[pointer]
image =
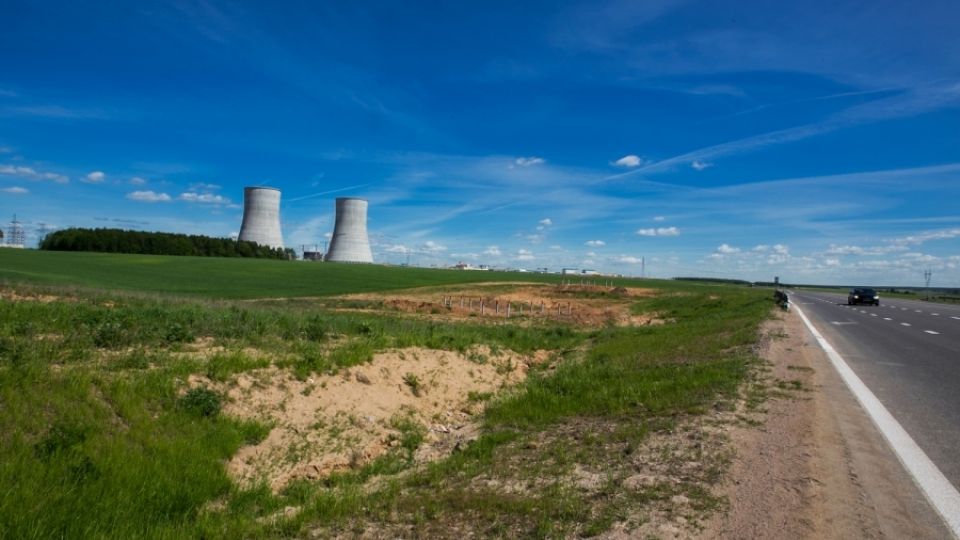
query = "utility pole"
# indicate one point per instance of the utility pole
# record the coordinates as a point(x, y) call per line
point(643, 266)
point(927, 274)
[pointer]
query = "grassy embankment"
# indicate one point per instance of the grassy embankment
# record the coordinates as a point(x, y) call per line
point(98, 438)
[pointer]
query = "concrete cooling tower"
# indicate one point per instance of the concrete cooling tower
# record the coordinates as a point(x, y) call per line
point(261, 216)
point(350, 242)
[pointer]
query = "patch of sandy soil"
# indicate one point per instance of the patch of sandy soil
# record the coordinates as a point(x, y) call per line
point(816, 467)
point(14, 296)
point(332, 423)
point(519, 302)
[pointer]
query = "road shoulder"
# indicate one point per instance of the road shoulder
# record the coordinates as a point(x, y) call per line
point(815, 467)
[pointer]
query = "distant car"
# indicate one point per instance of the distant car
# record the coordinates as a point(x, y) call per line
point(863, 296)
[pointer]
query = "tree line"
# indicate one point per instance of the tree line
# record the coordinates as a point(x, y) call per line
point(156, 243)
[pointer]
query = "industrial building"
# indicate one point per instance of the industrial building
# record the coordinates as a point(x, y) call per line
point(261, 217)
point(349, 242)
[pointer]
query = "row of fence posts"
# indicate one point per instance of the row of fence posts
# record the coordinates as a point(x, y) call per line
point(508, 307)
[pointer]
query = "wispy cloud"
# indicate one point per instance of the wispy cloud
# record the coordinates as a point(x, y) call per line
point(329, 192)
point(700, 165)
point(203, 198)
point(32, 174)
point(524, 255)
point(595, 243)
point(529, 161)
point(16, 190)
point(54, 112)
point(627, 259)
point(916, 101)
point(201, 186)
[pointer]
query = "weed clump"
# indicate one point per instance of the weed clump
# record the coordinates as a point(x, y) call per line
point(201, 401)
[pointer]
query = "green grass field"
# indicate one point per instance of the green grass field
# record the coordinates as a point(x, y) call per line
point(213, 277)
point(99, 440)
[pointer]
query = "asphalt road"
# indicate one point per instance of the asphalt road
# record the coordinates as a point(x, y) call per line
point(908, 353)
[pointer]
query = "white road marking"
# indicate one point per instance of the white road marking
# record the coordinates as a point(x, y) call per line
point(841, 323)
point(938, 490)
point(957, 318)
point(935, 314)
point(917, 311)
point(887, 319)
point(906, 324)
point(932, 332)
point(873, 314)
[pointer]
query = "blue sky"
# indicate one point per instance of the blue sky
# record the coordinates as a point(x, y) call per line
point(815, 141)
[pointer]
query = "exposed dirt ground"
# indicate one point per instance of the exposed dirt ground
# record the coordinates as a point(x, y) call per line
point(335, 422)
point(591, 305)
point(816, 467)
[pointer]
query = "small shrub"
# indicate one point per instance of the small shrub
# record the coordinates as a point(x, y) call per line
point(178, 333)
point(201, 401)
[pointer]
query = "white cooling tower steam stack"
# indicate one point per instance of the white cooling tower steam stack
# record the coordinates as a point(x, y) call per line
point(350, 242)
point(261, 216)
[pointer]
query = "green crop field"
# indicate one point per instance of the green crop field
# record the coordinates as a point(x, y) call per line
point(214, 277)
point(102, 437)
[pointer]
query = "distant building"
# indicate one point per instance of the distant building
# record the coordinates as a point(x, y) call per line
point(467, 266)
point(568, 271)
point(587, 272)
point(313, 255)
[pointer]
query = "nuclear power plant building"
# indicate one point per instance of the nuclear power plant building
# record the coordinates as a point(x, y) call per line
point(261, 216)
point(349, 242)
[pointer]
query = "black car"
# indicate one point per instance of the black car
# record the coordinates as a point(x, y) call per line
point(863, 296)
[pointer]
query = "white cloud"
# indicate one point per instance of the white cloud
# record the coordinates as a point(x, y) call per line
point(761, 248)
point(591, 254)
point(700, 165)
point(659, 218)
point(432, 247)
point(628, 259)
point(398, 248)
point(534, 238)
point(148, 196)
point(492, 251)
point(629, 161)
point(659, 231)
point(137, 181)
point(529, 161)
point(920, 238)
point(16, 190)
point(203, 198)
point(545, 222)
point(595, 243)
point(525, 255)
point(32, 174)
point(726, 249)
point(96, 177)
point(781, 249)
